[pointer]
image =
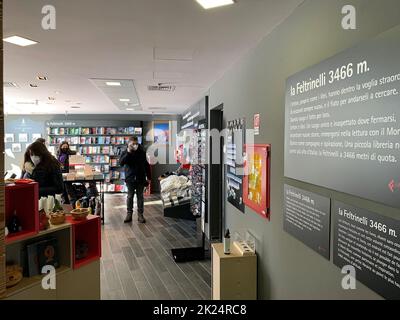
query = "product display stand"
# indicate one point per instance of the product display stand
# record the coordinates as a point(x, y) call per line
point(198, 196)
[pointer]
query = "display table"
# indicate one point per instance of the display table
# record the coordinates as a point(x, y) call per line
point(99, 180)
point(234, 276)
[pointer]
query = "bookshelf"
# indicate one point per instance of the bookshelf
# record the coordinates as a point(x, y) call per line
point(101, 146)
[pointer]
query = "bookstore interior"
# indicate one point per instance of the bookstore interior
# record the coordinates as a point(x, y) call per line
point(207, 150)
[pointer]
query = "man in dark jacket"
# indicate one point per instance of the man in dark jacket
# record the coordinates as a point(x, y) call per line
point(137, 176)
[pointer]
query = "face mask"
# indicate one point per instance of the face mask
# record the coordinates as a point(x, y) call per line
point(35, 160)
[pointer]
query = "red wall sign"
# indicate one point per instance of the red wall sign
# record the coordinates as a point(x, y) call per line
point(256, 180)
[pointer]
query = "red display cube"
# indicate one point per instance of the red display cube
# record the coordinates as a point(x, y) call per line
point(24, 200)
point(86, 231)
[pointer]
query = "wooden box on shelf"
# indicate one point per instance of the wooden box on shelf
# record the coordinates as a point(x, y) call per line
point(22, 199)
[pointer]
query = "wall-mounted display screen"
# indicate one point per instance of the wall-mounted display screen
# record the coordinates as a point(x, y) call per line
point(342, 123)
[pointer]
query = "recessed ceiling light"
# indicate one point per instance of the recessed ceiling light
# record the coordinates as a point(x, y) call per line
point(57, 92)
point(10, 85)
point(113, 83)
point(19, 41)
point(209, 4)
point(129, 109)
point(124, 100)
point(52, 98)
point(40, 77)
point(33, 85)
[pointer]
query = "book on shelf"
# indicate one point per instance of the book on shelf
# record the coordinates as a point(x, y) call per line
point(107, 178)
point(114, 162)
point(119, 188)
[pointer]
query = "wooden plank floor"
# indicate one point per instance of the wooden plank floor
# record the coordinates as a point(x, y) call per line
point(136, 259)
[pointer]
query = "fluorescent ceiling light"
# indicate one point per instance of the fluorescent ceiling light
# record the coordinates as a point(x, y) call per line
point(19, 41)
point(209, 4)
point(113, 83)
point(124, 100)
point(129, 109)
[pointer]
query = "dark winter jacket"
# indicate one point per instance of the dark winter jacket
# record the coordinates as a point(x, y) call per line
point(50, 181)
point(137, 168)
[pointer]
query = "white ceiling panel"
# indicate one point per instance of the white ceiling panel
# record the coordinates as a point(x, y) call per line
point(145, 41)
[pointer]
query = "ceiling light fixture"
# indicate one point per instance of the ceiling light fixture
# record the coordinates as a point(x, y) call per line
point(40, 77)
point(75, 107)
point(209, 4)
point(33, 85)
point(124, 100)
point(19, 41)
point(129, 109)
point(113, 83)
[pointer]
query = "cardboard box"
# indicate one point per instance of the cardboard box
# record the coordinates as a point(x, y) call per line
point(70, 176)
point(76, 160)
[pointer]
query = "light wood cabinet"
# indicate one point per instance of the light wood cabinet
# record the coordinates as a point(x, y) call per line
point(69, 284)
point(234, 277)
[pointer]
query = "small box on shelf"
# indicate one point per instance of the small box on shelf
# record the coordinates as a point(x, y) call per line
point(22, 206)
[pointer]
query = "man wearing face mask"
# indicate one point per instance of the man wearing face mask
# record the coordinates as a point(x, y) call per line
point(46, 172)
point(137, 176)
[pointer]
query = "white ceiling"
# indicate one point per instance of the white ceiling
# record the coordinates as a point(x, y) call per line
point(148, 41)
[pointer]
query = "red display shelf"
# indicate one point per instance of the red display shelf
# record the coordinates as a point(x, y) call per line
point(89, 231)
point(24, 200)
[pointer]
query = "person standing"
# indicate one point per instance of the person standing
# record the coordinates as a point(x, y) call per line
point(137, 176)
point(63, 153)
point(46, 170)
point(27, 166)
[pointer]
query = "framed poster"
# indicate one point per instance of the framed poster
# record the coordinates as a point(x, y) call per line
point(9, 137)
point(23, 137)
point(161, 132)
point(256, 181)
point(234, 163)
point(16, 147)
point(36, 136)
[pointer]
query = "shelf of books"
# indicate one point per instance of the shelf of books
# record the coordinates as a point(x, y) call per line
point(101, 146)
